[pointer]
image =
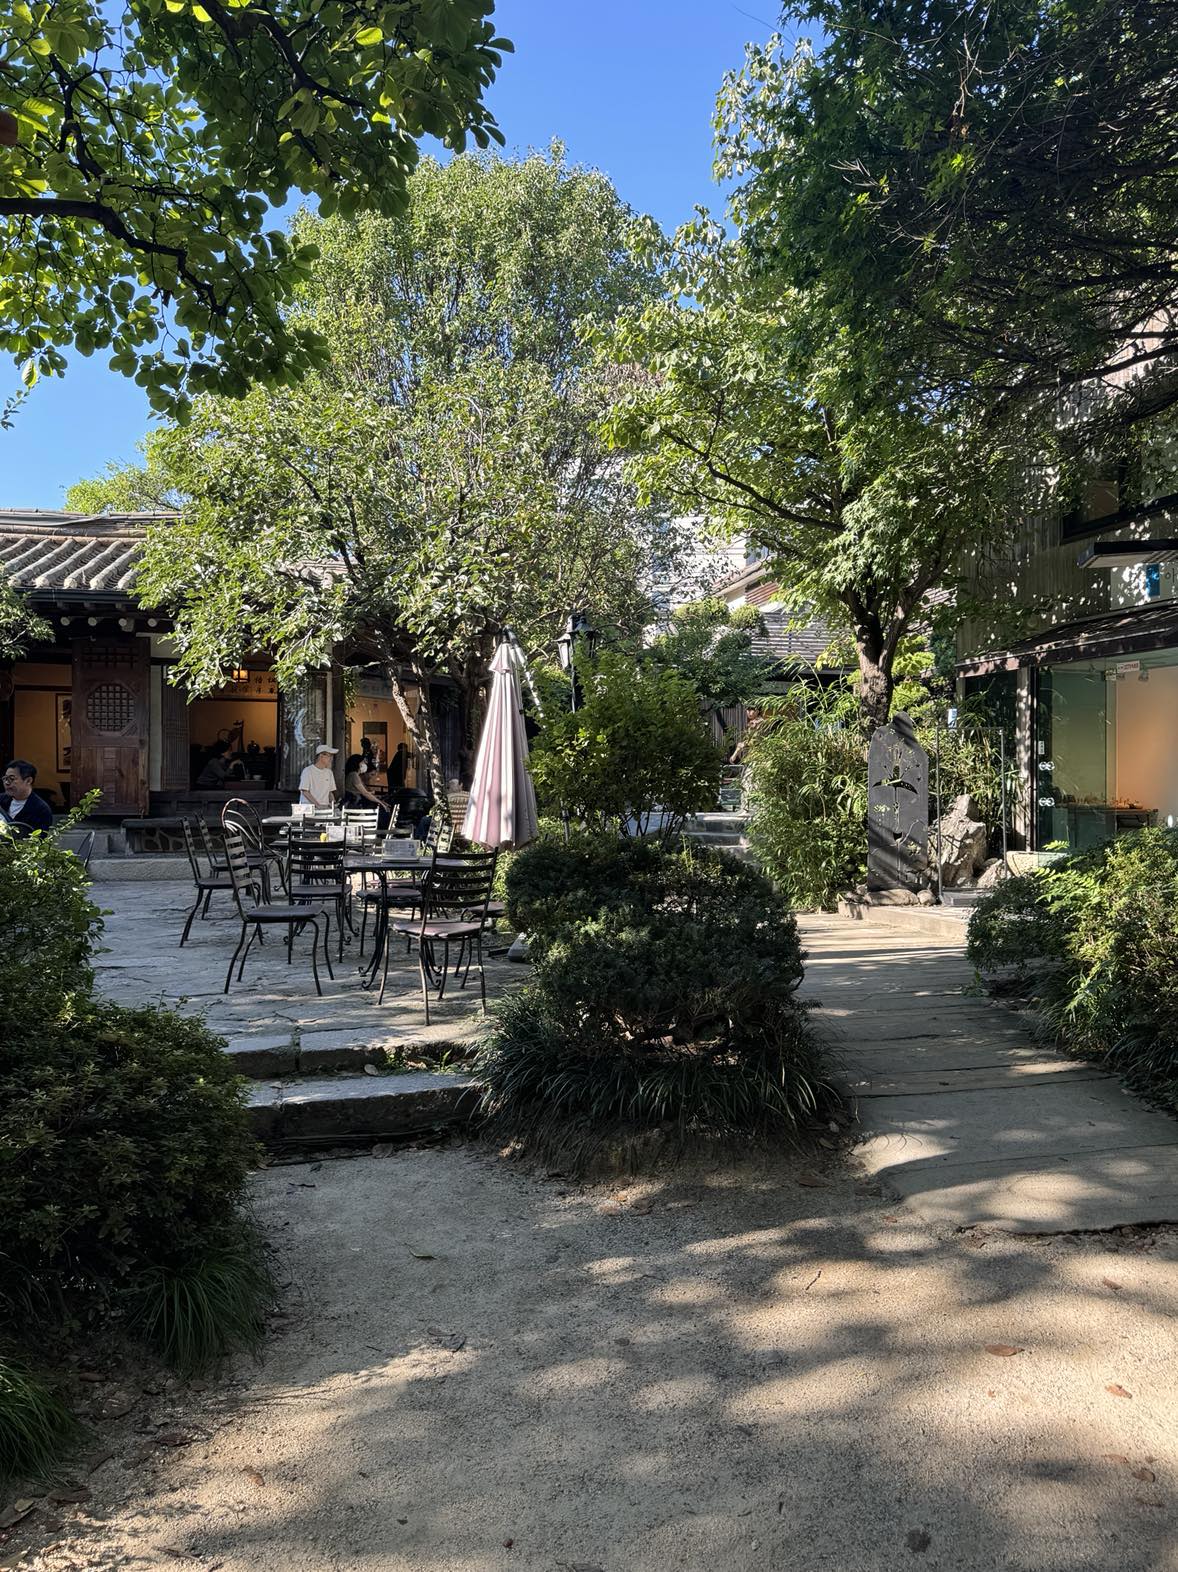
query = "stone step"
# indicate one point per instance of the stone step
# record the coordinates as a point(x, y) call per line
point(263, 1057)
point(346, 1107)
point(153, 868)
point(725, 838)
point(718, 820)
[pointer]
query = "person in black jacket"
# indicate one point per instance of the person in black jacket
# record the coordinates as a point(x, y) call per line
point(20, 806)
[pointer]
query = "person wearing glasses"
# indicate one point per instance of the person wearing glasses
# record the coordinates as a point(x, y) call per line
point(22, 810)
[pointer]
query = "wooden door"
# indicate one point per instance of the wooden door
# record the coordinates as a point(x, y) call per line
point(110, 715)
point(175, 758)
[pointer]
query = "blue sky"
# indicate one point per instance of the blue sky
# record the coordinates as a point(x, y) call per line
point(628, 85)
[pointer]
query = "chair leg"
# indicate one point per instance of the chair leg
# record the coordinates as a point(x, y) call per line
point(384, 975)
point(482, 974)
point(200, 895)
point(424, 980)
point(208, 903)
point(327, 944)
point(233, 959)
point(241, 969)
point(315, 957)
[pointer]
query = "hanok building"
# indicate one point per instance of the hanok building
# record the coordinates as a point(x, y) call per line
point(94, 707)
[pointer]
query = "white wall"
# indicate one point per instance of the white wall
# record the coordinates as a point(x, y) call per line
point(1147, 741)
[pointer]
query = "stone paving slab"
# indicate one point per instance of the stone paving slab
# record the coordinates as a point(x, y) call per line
point(1120, 1187)
point(963, 1114)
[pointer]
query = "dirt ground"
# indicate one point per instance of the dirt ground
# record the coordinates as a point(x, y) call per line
point(476, 1369)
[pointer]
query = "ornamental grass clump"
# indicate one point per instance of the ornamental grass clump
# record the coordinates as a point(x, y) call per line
point(125, 1147)
point(663, 999)
point(1091, 940)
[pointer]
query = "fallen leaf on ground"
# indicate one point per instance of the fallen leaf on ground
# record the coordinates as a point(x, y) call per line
point(383, 1149)
point(173, 1438)
point(1146, 1475)
point(255, 1476)
point(97, 1462)
point(370, 1069)
point(78, 1493)
point(15, 1512)
point(1115, 1457)
point(422, 1255)
point(1116, 1390)
point(1111, 1283)
point(1148, 1501)
point(918, 1540)
point(90, 1375)
point(643, 1208)
point(1005, 1350)
point(810, 1181)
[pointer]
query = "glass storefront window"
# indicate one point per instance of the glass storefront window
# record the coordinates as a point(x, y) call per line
point(1106, 749)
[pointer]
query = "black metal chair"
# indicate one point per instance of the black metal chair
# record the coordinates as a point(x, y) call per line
point(207, 884)
point(81, 843)
point(242, 816)
point(257, 914)
point(454, 902)
point(315, 873)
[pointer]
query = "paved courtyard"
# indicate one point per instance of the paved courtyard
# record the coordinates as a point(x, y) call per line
point(274, 1003)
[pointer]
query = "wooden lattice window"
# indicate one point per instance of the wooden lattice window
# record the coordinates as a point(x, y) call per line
point(110, 708)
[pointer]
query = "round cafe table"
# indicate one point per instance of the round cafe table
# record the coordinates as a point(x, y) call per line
point(402, 857)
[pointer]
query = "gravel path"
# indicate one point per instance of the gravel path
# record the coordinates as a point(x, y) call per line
point(764, 1368)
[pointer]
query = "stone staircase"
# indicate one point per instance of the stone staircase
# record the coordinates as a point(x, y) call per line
point(724, 831)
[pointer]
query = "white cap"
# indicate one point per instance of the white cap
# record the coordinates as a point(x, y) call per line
point(321, 747)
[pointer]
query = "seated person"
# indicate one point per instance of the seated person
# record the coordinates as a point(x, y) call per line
point(216, 770)
point(317, 788)
point(21, 808)
point(357, 793)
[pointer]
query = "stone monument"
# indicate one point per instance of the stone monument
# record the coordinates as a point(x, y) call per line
point(897, 808)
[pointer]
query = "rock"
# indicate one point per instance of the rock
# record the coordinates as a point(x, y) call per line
point(993, 873)
point(519, 948)
point(926, 898)
point(849, 906)
point(892, 898)
point(963, 842)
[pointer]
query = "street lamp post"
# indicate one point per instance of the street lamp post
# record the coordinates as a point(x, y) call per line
point(576, 630)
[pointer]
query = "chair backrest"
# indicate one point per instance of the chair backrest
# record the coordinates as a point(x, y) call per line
point(81, 843)
point(361, 826)
point(245, 880)
point(242, 816)
point(441, 832)
point(215, 854)
point(193, 854)
point(459, 885)
point(316, 861)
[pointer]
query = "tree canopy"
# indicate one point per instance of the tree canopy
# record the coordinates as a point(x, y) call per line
point(1003, 174)
point(763, 411)
point(147, 142)
point(442, 476)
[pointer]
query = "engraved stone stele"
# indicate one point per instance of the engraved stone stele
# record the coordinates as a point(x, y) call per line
point(897, 808)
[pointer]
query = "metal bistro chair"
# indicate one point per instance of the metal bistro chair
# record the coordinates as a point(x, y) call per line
point(258, 915)
point(453, 911)
point(315, 873)
point(207, 884)
point(242, 816)
point(404, 892)
point(81, 843)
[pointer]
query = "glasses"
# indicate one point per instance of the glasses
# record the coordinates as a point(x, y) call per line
point(10, 780)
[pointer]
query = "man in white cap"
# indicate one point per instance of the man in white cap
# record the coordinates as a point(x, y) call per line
point(317, 782)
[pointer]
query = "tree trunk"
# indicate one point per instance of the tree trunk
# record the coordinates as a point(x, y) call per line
point(420, 726)
point(875, 682)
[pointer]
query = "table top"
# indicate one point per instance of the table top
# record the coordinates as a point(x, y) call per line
point(374, 862)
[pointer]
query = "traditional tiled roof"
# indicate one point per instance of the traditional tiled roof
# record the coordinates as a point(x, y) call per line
point(786, 641)
point(77, 553)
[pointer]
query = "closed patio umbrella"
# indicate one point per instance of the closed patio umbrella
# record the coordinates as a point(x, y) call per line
point(502, 807)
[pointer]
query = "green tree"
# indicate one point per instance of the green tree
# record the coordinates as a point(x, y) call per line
point(712, 646)
point(151, 139)
point(19, 627)
point(442, 476)
point(633, 757)
point(764, 412)
point(1000, 174)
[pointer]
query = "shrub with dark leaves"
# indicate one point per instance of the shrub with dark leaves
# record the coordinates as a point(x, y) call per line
point(1093, 940)
point(664, 993)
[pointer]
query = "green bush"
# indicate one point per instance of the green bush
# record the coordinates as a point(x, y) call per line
point(634, 750)
point(1093, 940)
point(664, 993)
point(808, 798)
point(124, 1149)
point(36, 1427)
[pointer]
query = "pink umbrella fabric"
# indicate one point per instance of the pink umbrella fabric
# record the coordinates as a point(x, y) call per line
point(502, 807)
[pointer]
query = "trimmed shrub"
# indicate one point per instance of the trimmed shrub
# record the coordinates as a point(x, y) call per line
point(1093, 940)
point(124, 1150)
point(633, 755)
point(663, 994)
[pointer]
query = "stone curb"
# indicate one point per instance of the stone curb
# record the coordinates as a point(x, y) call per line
point(350, 1106)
